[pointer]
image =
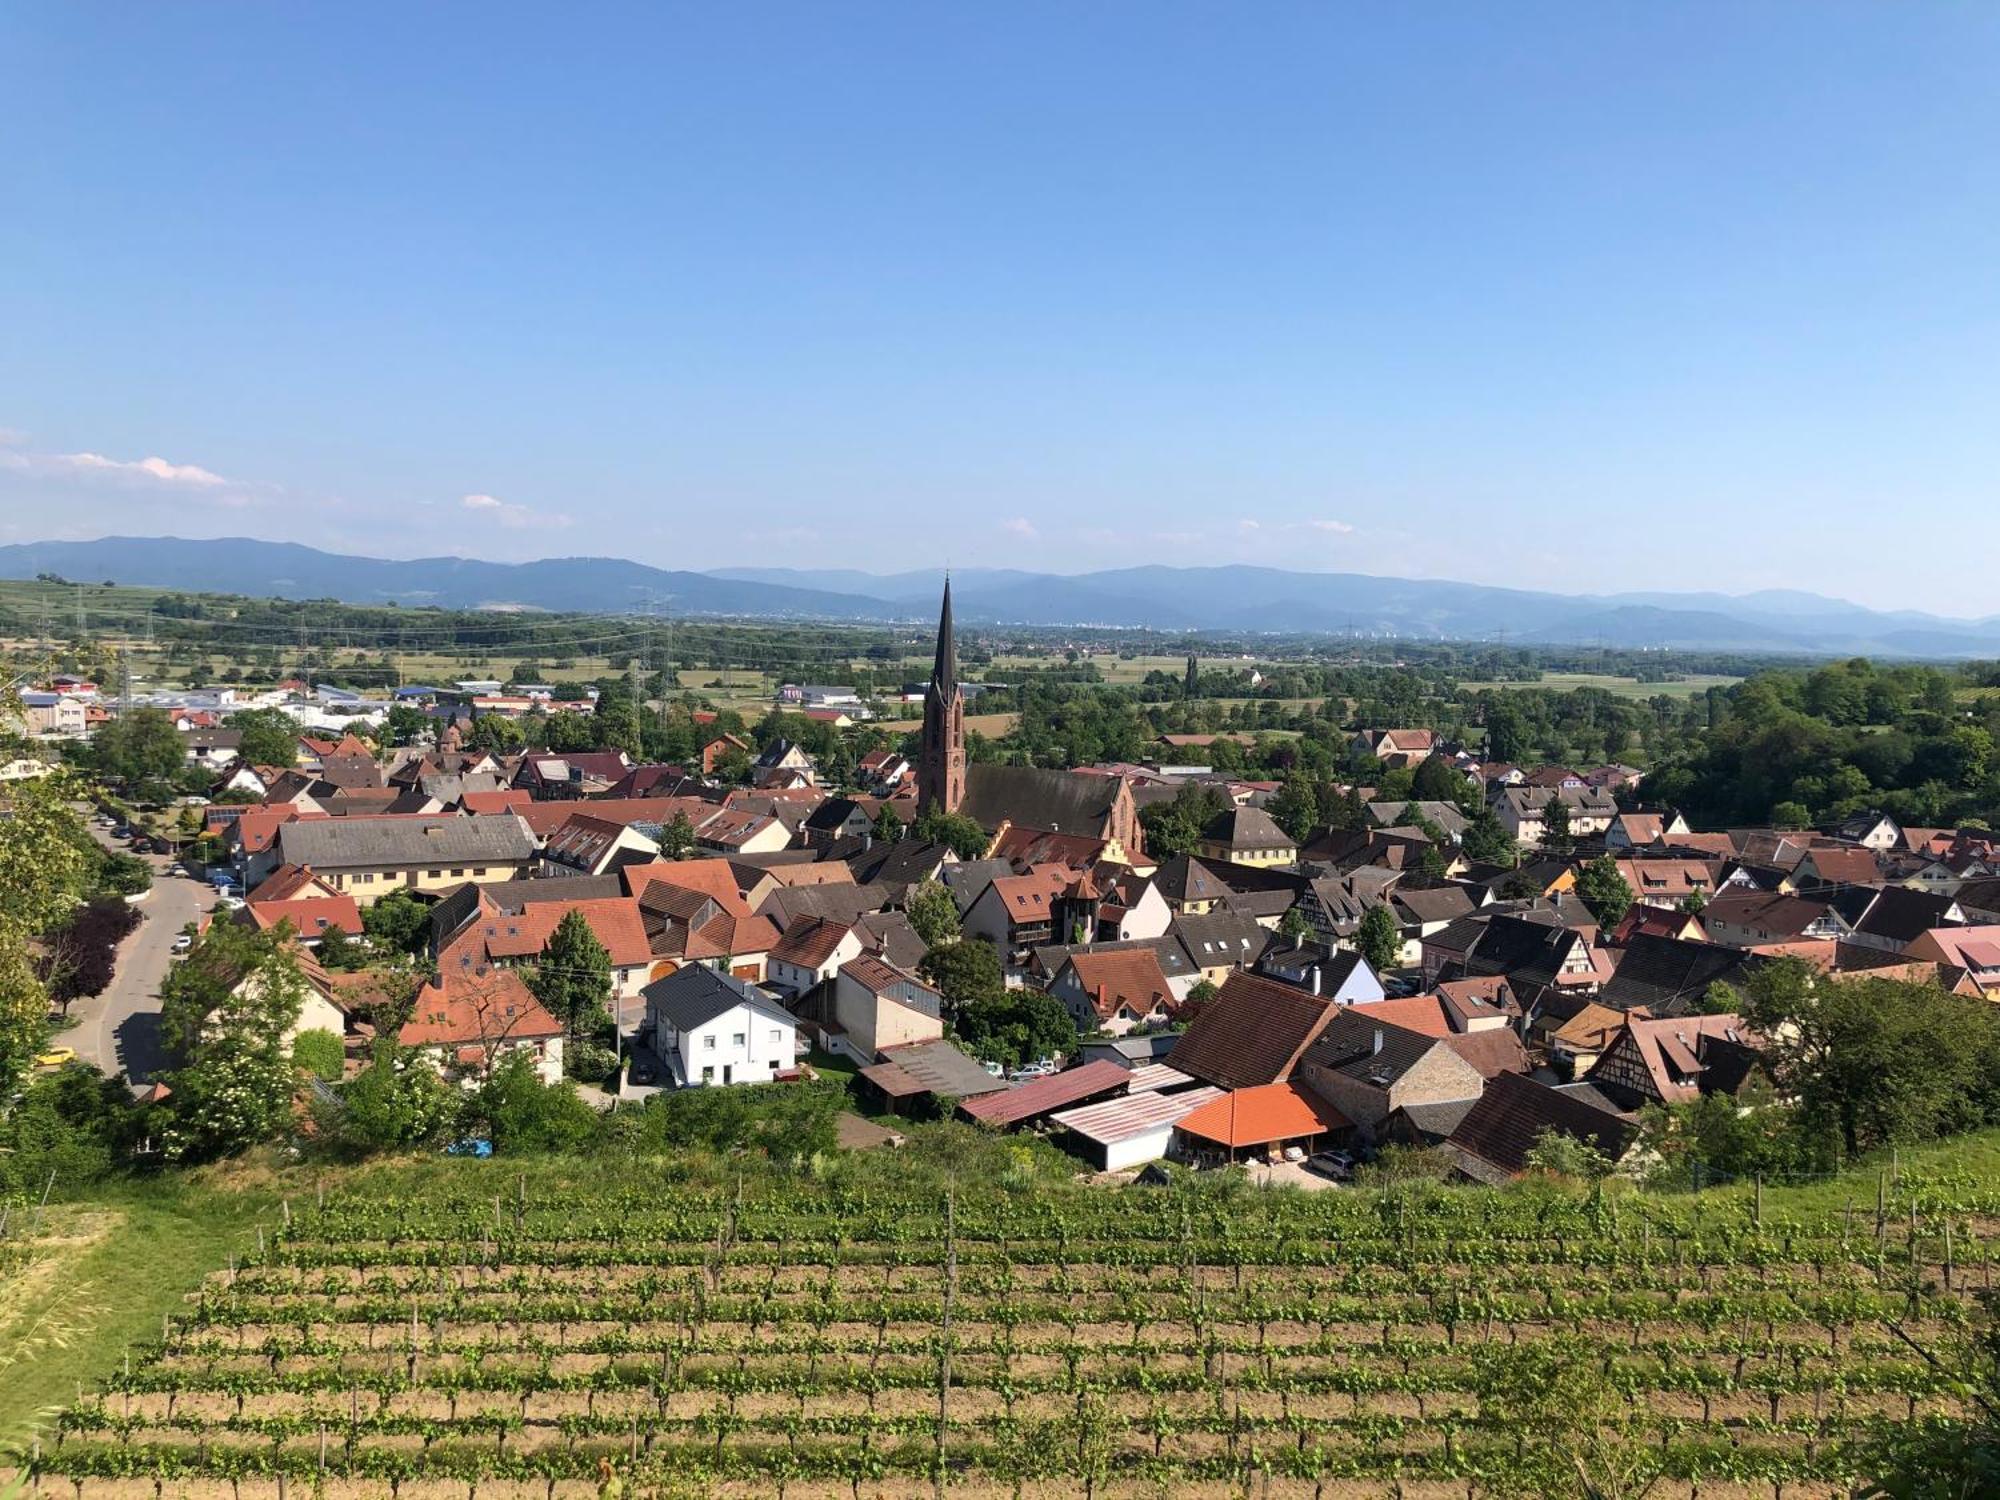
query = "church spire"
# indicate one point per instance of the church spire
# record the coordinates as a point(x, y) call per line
point(944, 670)
point(941, 755)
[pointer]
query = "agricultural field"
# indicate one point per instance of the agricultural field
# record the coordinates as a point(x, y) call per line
point(1690, 686)
point(479, 1337)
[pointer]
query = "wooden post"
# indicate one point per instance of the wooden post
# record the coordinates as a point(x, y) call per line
point(1760, 1199)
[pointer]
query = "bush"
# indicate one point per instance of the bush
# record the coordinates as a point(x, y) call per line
point(788, 1121)
point(124, 875)
point(588, 1062)
point(520, 1113)
point(80, 959)
point(319, 1053)
point(398, 1102)
point(76, 1123)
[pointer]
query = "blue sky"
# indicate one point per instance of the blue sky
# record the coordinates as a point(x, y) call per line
point(1587, 297)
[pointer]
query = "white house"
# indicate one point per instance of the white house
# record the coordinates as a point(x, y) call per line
point(877, 1006)
point(711, 1028)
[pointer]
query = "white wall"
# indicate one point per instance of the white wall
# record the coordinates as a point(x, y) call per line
point(768, 1048)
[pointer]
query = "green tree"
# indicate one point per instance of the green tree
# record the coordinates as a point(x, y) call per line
point(337, 951)
point(1016, 1026)
point(397, 1103)
point(270, 736)
point(888, 826)
point(1378, 939)
point(224, 1012)
point(521, 1114)
point(1437, 780)
point(1557, 837)
point(319, 1053)
point(677, 837)
point(1563, 1155)
point(572, 978)
point(141, 744)
point(1873, 1062)
point(1604, 891)
point(1295, 808)
point(964, 973)
point(1293, 924)
point(961, 834)
point(497, 733)
point(933, 912)
point(405, 725)
point(399, 922)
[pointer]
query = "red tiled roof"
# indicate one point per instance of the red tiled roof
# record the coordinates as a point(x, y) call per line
point(310, 916)
point(810, 941)
point(711, 877)
point(613, 919)
point(496, 1006)
point(1130, 978)
point(1259, 1116)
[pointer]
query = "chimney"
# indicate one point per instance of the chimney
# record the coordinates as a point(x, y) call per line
point(1315, 979)
point(1378, 1042)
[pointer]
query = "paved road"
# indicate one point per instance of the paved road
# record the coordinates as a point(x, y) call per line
point(119, 1030)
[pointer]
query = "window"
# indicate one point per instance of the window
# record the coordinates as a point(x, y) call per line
point(708, 1075)
point(478, 870)
point(435, 874)
point(777, 1035)
point(458, 871)
point(737, 1039)
point(708, 1042)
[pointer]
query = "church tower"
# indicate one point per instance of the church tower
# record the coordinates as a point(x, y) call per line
point(941, 759)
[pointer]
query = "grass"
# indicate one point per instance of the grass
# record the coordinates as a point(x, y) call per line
point(1619, 687)
point(103, 1273)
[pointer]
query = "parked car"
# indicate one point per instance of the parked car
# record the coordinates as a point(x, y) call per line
point(470, 1146)
point(182, 942)
point(1337, 1165)
point(230, 901)
point(55, 1057)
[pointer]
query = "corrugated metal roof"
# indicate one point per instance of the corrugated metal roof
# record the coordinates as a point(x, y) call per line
point(1039, 1096)
point(1151, 1078)
point(1117, 1120)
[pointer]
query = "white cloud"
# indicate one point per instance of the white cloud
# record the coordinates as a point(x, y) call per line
point(513, 517)
point(1331, 528)
point(1022, 527)
point(96, 466)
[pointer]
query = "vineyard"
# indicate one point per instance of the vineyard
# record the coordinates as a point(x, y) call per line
point(784, 1338)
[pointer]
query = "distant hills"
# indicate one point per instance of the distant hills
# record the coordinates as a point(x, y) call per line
point(1228, 598)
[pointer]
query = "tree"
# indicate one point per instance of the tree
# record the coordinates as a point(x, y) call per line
point(888, 826)
point(339, 952)
point(124, 875)
point(405, 724)
point(1378, 939)
point(1604, 891)
point(141, 744)
point(1014, 1027)
point(225, 1011)
point(572, 978)
point(495, 732)
point(1295, 809)
point(1563, 1155)
point(1874, 1062)
point(964, 973)
point(396, 1103)
point(270, 736)
point(79, 959)
point(1437, 780)
point(1343, 809)
point(1556, 835)
point(1199, 998)
point(677, 837)
point(960, 833)
point(1294, 925)
point(520, 1113)
point(319, 1053)
point(933, 912)
point(399, 921)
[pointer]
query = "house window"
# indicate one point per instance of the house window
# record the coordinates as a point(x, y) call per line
point(737, 1039)
point(478, 870)
point(708, 1075)
point(458, 872)
point(708, 1042)
point(777, 1035)
point(435, 874)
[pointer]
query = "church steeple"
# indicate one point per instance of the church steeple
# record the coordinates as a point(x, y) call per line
point(941, 759)
point(944, 670)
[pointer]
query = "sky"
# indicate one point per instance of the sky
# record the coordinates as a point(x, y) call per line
point(1586, 297)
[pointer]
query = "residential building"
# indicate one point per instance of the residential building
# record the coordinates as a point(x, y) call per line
point(367, 858)
point(714, 1029)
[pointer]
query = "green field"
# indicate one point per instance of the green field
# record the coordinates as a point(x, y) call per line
point(940, 1317)
point(1620, 687)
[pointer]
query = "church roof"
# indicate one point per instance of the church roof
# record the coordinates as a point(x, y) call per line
point(1056, 800)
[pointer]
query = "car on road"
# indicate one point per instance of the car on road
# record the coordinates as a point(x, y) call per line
point(56, 1057)
point(182, 942)
point(229, 901)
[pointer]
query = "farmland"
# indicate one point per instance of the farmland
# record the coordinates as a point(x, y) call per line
point(483, 1333)
point(1691, 685)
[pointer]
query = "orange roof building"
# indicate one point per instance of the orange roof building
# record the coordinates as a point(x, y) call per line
point(1267, 1115)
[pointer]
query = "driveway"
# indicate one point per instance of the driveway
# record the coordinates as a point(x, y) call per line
point(119, 1030)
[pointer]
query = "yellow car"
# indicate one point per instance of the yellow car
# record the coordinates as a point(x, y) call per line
point(56, 1057)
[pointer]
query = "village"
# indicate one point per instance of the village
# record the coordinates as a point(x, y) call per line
point(1521, 952)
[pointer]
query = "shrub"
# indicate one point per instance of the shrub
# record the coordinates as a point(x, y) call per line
point(319, 1053)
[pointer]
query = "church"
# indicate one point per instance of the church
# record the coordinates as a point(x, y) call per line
point(999, 797)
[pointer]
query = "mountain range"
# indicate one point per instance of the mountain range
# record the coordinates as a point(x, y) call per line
point(1235, 599)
